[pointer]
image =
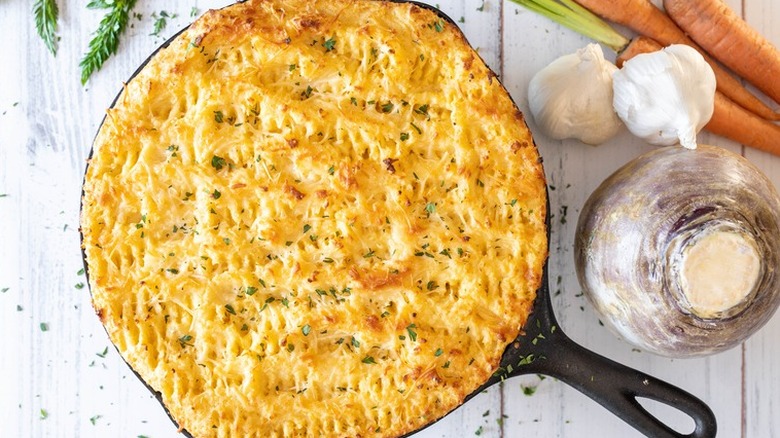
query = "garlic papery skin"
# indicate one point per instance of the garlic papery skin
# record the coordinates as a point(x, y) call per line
point(572, 97)
point(665, 97)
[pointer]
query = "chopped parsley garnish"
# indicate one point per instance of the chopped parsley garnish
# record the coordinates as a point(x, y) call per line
point(250, 290)
point(230, 309)
point(327, 260)
point(44, 327)
point(185, 341)
point(94, 419)
point(307, 92)
point(438, 352)
point(173, 270)
point(438, 25)
point(431, 285)
point(404, 136)
point(293, 67)
point(331, 170)
point(329, 44)
point(44, 414)
point(422, 109)
point(416, 128)
point(218, 162)
point(387, 107)
point(306, 330)
point(79, 285)
point(306, 228)
point(369, 360)
point(355, 342)
point(216, 194)
point(412, 334)
point(218, 116)
point(369, 254)
point(430, 208)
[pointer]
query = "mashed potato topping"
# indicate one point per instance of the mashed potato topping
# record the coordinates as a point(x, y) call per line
point(314, 218)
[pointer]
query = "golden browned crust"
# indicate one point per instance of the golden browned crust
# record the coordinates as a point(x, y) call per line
point(314, 218)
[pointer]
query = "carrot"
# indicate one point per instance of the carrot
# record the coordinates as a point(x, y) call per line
point(646, 19)
point(729, 39)
point(728, 119)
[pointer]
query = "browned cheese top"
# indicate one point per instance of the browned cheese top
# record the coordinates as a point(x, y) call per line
point(314, 218)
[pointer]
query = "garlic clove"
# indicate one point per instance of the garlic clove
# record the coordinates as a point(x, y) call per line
point(665, 97)
point(572, 97)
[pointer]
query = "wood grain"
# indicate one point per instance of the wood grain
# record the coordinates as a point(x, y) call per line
point(70, 374)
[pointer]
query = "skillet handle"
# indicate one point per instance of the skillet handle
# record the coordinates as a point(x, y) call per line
point(616, 387)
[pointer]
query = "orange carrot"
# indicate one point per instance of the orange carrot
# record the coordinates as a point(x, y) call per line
point(732, 121)
point(646, 19)
point(729, 39)
point(728, 119)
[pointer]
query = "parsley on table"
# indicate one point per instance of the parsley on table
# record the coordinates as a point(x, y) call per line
point(105, 40)
point(161, 21)
point(46, 13)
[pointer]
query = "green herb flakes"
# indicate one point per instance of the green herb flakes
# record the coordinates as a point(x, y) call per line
point(306, 330)
point(218, 162)
point(369, 360)
point(329, 44)
point(410, 330)
point(230, 309)
point(185, 341)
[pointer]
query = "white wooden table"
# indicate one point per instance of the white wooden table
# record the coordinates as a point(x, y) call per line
point(59, 377)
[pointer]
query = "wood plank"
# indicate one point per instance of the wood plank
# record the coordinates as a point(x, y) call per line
point(44, 142)
point(762, 355)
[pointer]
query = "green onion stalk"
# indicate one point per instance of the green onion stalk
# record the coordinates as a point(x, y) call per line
point(568, 13)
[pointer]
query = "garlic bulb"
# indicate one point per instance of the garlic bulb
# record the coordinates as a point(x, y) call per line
point(665, 97)
point(572, 97)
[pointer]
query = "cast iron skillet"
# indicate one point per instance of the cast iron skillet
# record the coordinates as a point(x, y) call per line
point(543, 348)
